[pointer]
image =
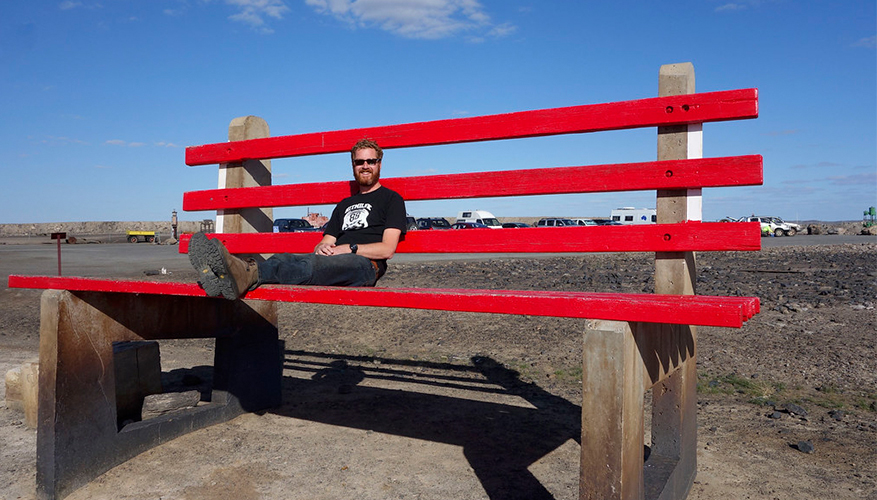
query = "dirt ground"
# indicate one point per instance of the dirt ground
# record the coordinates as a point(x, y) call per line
point(382, 404)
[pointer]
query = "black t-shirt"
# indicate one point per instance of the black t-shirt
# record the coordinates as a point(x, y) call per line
point(362, 218)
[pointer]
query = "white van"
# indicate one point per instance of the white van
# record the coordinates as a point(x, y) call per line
point(480, 216)
point(631, 215)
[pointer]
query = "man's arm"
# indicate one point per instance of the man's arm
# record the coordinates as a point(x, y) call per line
point(385, 249)
point(326, 246)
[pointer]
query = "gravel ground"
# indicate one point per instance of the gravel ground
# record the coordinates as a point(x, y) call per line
point(383, 403)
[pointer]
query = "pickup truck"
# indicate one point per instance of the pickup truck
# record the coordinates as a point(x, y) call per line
point(293, 226)
point(770, 225)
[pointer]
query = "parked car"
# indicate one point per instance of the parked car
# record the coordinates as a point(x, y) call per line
point(606, 222)
point(776, 225)
point(433, 223)
point(469, 225)
point(585, 222)
point(793, 228)
point(555, 222)
point(412, 224)
point(293, 226)
point(514, 224)
point(769, 225)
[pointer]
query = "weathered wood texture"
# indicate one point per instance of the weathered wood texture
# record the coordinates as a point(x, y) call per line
point(674, 401)
point(78, 433)
point(245, 174)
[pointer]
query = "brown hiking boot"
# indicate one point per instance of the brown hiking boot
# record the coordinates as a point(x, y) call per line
point(220, 272)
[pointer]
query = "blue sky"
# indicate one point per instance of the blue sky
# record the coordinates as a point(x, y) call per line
point(99, 98)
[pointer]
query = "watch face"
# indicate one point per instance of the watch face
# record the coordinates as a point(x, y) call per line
point(354, 247)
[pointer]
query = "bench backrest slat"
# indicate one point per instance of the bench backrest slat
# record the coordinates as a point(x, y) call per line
point(675, 174)
point(682, 237)
point(651, 112)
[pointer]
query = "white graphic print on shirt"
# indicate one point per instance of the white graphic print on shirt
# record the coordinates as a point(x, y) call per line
point(355, 216)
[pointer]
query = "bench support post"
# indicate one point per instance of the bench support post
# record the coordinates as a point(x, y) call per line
point(621, 361)
point(612, 413)
point(674, 400)
point(245, 174)
point(78, 432)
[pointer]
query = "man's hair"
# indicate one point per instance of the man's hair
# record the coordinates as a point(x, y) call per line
point(366, 144)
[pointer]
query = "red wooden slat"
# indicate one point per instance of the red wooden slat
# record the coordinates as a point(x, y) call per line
point(676, 309)
point(681, 237)
point(656, 111)
point(748, 306)
point(673, 174)
point(105, 285)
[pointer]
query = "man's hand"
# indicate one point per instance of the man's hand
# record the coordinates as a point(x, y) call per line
point(383, 249)
point(324, 249)
point(326, 246)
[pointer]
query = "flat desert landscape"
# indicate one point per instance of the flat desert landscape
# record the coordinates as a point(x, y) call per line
point(386, 403)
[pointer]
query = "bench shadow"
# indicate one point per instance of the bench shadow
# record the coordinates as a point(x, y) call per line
point(500, 440)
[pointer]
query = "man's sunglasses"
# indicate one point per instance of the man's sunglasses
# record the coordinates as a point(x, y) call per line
point(370, 161)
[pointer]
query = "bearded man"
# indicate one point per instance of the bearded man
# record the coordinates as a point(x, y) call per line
point(359, 238)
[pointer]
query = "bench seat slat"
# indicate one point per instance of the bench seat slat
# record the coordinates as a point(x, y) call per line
point(676, 309)
point(671, 174)
point(655, 111)
point(680, 237)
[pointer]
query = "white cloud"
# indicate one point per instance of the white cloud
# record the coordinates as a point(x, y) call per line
point(869, 42)
point(424, 19)
point(819, 164)
point(253, 12)
point(730, 7)
point(53, 140)
point(70, 4)
point(866, 179)
point(119, 142)
point(502, 30)
point(778, 133)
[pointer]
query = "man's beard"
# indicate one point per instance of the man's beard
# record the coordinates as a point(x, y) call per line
point(371, 181)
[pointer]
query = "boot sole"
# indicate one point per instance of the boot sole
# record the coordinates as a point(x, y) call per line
point(213, 276)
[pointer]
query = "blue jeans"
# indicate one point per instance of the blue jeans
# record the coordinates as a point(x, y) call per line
point(312, 269)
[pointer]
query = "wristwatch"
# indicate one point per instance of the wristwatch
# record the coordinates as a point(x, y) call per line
point(354, 247)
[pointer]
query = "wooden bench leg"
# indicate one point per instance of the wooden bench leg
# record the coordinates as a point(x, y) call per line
point(620, 362)
point(674, 426)
point(612, 413)
point(78, 437)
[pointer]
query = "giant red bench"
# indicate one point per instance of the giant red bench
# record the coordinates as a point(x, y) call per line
point(632, 342)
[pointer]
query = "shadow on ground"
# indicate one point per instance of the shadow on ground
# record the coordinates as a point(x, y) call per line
point(499, 439)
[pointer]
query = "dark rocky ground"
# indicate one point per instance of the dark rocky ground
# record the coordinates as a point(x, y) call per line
point(787, 405)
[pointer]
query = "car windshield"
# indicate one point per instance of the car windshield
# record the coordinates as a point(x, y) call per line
point(440, 223)
point(490, 222)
